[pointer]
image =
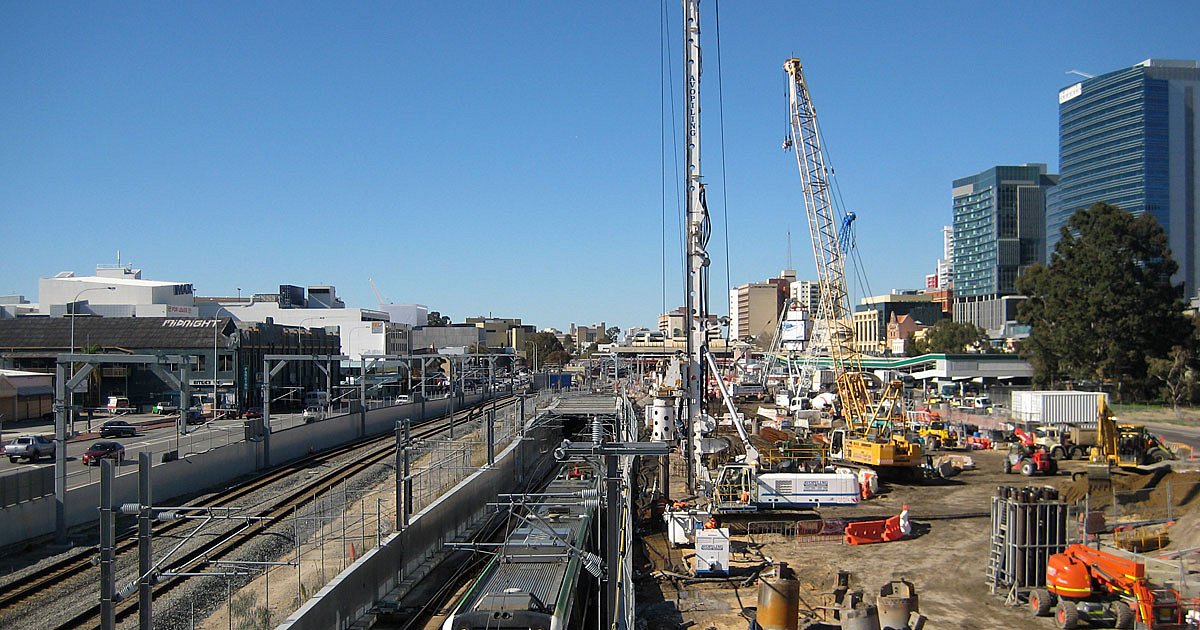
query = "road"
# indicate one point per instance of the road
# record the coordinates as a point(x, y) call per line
point(1177, 433)
point(156, 434)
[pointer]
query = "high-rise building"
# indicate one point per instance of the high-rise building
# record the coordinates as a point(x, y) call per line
point(807, 294)
point(999, 230)
point(1129, 138)
point(754, 308)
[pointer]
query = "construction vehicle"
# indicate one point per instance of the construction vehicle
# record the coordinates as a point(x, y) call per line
point(1054, 439)
point(1124, 444)
point(1103, 589)
point(1028, 457)
point(750, 484)
point(934, 433)
point(869, 439)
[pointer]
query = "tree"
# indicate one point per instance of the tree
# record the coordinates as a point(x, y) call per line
point(541, 345)
point(950, 337)
point(613, 333)
point(1105, 303)
point(1177, 373)
point(437, 320)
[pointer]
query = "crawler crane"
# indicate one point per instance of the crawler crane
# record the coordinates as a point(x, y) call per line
point(869, 438)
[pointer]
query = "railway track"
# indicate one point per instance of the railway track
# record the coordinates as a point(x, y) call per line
point(30, 587)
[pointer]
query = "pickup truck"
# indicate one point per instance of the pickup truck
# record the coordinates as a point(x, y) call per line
point(31, 447)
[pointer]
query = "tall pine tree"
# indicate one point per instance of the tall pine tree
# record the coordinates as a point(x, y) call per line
point(1104, 304)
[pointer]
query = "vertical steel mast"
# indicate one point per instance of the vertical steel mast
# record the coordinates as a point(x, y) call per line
point(697, 239)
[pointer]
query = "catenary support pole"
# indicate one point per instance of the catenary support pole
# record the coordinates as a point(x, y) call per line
point(145, 549)
point(60, 455)
point(108, 620)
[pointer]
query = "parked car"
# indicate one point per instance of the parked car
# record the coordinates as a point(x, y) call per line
point(117, 428)
point(103, 450)
point(252, 413)
point(314, 414)
point(403, 399)
point(31, 447)
point(165, 408)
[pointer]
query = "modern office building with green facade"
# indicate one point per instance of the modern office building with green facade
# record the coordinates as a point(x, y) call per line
point(1129, 138)
point(999, 229)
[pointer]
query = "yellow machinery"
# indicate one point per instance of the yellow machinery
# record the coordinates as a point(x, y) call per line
point(869, 438)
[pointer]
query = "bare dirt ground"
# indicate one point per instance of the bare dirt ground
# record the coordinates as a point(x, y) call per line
point(946, 561)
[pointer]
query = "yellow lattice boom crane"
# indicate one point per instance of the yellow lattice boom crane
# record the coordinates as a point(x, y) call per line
point(869, 438)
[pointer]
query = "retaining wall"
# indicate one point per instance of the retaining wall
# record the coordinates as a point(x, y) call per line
point(402, 556)
point(188, 475)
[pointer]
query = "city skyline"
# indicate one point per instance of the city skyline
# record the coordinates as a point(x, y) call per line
point(506, 159)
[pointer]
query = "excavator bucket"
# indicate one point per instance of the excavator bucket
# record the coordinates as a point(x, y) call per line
point(1099, 478)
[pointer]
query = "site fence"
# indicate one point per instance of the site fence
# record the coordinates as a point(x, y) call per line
point(26, 485)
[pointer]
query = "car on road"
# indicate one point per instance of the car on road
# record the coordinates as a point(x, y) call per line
point(31, 447)
point(314, 414)
point(196, 416)
point(117, 428)
point(103, 450)
point(403, 399)
point(252, 412)
point(165, 408)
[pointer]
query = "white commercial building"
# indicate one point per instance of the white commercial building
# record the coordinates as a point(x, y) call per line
point(115, 291)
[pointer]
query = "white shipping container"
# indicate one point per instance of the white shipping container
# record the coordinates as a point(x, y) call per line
point(1056, 407)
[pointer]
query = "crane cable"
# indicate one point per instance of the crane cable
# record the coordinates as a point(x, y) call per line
point(721, 119)
point(667, 94)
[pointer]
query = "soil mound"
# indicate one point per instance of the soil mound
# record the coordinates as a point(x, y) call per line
point(1148, 490)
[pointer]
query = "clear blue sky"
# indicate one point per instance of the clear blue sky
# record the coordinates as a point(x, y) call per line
point(504, 157)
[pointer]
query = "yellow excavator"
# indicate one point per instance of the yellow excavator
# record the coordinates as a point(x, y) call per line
point(1122, 445)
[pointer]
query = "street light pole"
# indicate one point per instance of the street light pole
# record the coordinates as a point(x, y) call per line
point(72, 309)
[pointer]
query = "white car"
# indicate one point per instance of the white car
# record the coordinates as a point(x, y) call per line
point(314, 414)
point(403, 399)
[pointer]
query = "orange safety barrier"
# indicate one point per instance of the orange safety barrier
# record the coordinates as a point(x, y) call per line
point(870, 532)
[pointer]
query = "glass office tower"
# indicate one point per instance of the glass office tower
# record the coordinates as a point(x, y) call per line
point(1129, 138)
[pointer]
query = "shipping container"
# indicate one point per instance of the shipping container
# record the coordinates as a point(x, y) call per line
point(1056, 407)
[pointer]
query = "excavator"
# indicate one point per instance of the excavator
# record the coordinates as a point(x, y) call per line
point(869, 438)
point(1124, 444)
point(1103, 589)
point(1121, 445)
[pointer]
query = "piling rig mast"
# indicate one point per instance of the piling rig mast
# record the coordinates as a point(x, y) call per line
point(698, 228)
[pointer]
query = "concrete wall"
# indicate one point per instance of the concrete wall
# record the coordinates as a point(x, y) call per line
point(399, 559)
point(32, 519)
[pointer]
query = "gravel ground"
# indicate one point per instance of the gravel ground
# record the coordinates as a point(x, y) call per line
point(945, 562)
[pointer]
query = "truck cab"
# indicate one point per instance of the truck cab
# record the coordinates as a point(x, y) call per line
point(1053, 439)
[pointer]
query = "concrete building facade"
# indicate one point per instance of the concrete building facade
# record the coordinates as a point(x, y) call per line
point(872, 314)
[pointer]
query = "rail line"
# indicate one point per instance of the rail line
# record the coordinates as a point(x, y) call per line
point(50, 576)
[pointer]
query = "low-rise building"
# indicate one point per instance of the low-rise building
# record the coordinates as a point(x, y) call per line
point(225, 357)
